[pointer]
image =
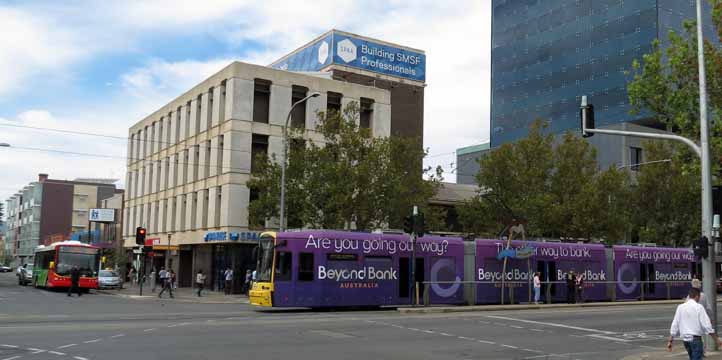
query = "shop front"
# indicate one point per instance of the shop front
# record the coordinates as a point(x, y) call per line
point(222, 250)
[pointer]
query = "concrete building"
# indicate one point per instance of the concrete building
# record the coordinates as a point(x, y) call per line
point(189, 162)
point(49, 210)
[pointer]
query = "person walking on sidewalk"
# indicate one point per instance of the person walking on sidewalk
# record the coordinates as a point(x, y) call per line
point(173, 283)
point(537, 287)
point(74, 281)
point(165, 280)
point(200, 281)
point(691, 323)
point(228, 276)
point(247, 286)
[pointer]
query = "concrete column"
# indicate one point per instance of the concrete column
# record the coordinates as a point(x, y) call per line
point(180, 213)
point(313, 106)
point(215, 152)
point(156, 176)
point(239, 99)
point(172, 168)
point(236, 152)
point(156, 137)
point(381, 120)
point(347, 100)
point(219, 104)
point(163, 176)
point(133, 220)
point(144, 215)
point(131, 143)
point(192, 166)
point(213, 215)
point(182, 167)
point(129, 184)
point(170, 212)
point(234, 205)
point(194, 120)
point(205, 112)
point(183, 126)
point(152, 224)
point(202, 209)
point(162, 208)
point(202, 163)
point(137, 146)
point(148, 177)
point(125, 221)
point(143, 143)
point(280, 104)
point(190, 210)
point(140, 181)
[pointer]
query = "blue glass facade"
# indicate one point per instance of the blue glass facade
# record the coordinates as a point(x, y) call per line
point(547, 53)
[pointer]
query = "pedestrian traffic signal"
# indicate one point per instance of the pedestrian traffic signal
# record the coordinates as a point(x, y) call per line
point(409, 224)
point(701, 247)
point(586, 116)
point(140, 236)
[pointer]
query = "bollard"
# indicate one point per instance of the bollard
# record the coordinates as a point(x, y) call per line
point(426, 294)
point(417, 293)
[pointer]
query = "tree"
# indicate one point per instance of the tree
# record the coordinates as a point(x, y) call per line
point(556, 189)
point(349, 179)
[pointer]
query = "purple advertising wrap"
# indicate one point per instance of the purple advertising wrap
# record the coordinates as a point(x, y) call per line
point(662, 267)
point(553, 261)
point(356, 269)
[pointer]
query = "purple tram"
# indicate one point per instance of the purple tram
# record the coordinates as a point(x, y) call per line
point(553, 261)
point(656, 265)
point(334, 268)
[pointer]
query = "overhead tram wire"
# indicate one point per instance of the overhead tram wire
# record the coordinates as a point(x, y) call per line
point(144, 160)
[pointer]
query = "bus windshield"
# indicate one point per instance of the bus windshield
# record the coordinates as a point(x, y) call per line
point(86, 259)
point(265, 264)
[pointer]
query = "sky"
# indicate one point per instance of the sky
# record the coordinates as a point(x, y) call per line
point(99, 67)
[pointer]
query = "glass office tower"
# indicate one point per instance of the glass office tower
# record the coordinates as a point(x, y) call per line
point(547, 53)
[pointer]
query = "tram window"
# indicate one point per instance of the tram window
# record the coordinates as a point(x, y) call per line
point(283, 266)
point(305, 267)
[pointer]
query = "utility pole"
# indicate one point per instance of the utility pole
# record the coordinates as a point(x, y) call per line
point(702, 150)
point(413, 258)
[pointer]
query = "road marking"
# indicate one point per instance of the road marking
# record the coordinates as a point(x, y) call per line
point(36, 351)
point(510, 346)
point(79, 358)
point(539, 330)
point(9, 346)
point(552, 324)
point(13, 357)
point(210, 320)
point(148, 330)
point(427, 331)
point(486, 342)
point(56, 353)
point(445, 334)
point(530, 350)
point(181, 324)
point(465, 338)
point(66, 346)
point(516, 327)
point(117, 336)
point(597, 336)
point(91, 341)
point(413, 329)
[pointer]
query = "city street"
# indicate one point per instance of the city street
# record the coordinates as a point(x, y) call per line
point(39, 324)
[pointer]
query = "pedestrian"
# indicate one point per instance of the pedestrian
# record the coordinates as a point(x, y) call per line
point(247, 287)
point(537, 287)
point(74, 281)
point(695, 282)
point(579, 283)
point(131, 275)
point(702, 297)
point(570, 287)
point(691, 323)
point(153, 279)
point(200, 281)
point(172, 279)
point(228, 276)
point(165, 282)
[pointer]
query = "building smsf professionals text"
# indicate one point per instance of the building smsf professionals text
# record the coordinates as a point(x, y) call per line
point(189, 162)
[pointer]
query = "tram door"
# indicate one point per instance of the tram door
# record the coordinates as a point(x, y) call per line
point(404, 277)
point(646, 273)
point(419, 277)
point(547, 272)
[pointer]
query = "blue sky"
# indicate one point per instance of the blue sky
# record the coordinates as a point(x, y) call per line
point(102, 66)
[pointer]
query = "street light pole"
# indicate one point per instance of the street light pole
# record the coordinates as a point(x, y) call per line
point(282, 216)
point(708, 265)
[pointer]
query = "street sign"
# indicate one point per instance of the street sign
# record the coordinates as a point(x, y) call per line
point(101, 215)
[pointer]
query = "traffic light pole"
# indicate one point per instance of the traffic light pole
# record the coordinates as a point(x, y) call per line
point(708, 264)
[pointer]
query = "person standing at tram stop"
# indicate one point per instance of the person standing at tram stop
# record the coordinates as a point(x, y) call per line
point(691, 323)
point(200, 281)
point(579, 285)
point(571, 286)
point(74, 281)
point(228, 276)
point(537, 287)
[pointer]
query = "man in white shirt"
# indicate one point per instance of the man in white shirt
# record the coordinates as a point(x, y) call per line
point(691, 323)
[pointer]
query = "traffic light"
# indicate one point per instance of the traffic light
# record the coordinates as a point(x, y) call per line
point(140, 236)
point(586, 117)
point(409, 224)
point(419, 225)
point(701, 247)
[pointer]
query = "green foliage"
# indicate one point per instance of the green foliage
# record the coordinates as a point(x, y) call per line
point(347, 179)
point(556, 189)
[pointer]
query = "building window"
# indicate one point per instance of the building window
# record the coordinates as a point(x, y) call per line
point(635, 157)
point(209, 112)
point(188, 120)
point(171, 216)
point(184, 205)
point(178, 124)
point(217, 210)
point(197, 165)
point(208, 159)
point(259, 151)
point(219, 163)
point(167, 173)
point(305, 267)
point(261, 100)
point(365, 113)
point(298, 117)
point(283, 266)
point(194, 210)
point(333, 102)
point(199, 103)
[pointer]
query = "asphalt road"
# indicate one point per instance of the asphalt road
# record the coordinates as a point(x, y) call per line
point(39, 324)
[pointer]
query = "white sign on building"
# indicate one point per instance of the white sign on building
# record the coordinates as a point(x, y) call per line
point(101, 215)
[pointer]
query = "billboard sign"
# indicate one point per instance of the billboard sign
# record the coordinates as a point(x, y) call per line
point(101, 215)
point(354, 51)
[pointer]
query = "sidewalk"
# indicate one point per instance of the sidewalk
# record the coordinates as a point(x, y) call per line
point(180, 295)
point(677, 353)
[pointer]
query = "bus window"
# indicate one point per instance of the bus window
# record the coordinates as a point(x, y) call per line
point(283, 266)
point(305, 267)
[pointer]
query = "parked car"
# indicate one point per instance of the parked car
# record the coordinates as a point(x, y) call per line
point(4, 268)
point(25, 274)
point(109, 279)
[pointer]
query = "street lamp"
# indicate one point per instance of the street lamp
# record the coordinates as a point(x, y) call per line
point(285, 158)
point(620, 167)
